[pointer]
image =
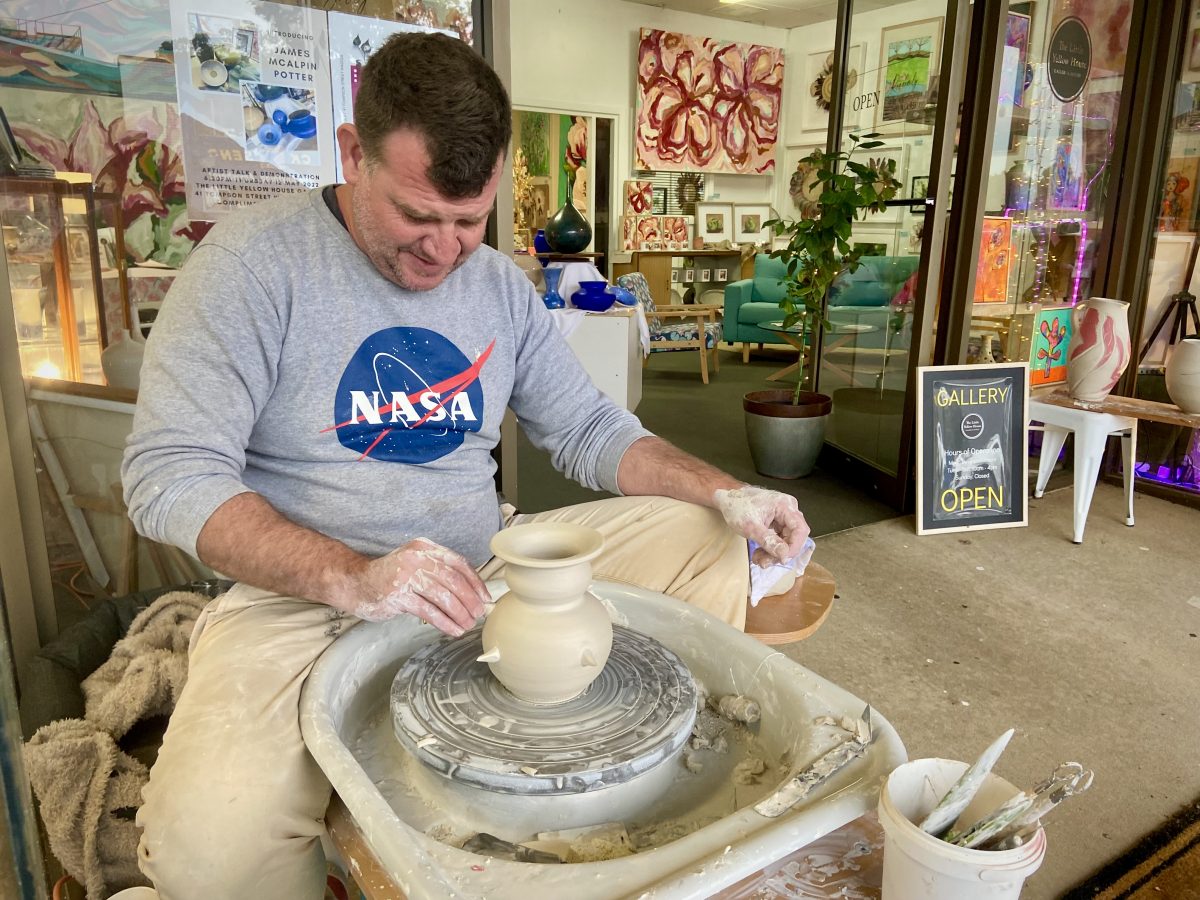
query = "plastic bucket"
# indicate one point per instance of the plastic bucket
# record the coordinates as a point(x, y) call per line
point(918, 866)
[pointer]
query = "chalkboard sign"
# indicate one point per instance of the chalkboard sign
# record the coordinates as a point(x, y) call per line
point(972, 439)
point(1069, 59)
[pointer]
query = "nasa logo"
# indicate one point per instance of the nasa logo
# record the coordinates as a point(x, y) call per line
point(408, 395)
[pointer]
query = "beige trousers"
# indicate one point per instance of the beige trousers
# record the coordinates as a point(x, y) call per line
point(234, 807)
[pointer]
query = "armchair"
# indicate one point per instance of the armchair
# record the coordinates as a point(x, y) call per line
point(752, 301)
point(678, 327)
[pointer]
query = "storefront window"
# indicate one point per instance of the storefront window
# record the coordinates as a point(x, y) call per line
point(1170, 454)
point(1059, 96)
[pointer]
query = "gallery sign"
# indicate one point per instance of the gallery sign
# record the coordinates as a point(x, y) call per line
point(972, 440)
point(1069, 59)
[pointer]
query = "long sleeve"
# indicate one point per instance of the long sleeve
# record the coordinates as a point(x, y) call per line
point(562, 411)
point(211, 363)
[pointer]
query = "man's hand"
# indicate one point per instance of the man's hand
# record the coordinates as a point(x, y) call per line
point(422, 579)
point(770, 519)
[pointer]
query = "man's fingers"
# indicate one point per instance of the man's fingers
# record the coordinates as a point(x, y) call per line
point(466, 584)
point(429, 612)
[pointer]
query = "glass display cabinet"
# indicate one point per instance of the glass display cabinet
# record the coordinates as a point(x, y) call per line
point(56, 267)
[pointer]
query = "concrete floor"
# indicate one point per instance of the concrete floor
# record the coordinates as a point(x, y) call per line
point(1090, 652)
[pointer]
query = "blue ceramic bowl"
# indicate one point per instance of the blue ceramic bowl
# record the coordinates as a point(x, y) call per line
point(624, 297)
point(593, 296)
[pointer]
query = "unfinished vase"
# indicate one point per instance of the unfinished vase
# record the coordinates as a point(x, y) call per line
point(1183, 375)
point(548, 637)
point(1099, 349)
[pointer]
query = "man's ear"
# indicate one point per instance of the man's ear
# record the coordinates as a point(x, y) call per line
point(351, 150)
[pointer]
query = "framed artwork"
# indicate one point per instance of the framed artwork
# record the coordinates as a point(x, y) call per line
point(818, 86)
point(1048, 352)
point(995, 259)
point(714, 222)
point(1177, 207)
point(803, 188)
point(919, 188)
point(722, 275)
point(877, 159)
point(683, 82)
point(78, 246)
point(873, 241)
point(706, 275)
point(689, 275)
point(749, 224)
point(660, 201)
point(675, 276)
point(1016, 35)
point(639, 197)
point(909, 56)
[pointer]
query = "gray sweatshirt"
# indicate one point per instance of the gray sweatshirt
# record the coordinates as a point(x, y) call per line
point(284, 363)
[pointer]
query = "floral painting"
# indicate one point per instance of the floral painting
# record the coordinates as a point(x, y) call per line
point(639, 196)
point(707, 105)
point(641, 233)
point(675, 232)
point(995, 255)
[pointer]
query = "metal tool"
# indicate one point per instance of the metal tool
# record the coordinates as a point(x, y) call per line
point(959, 797)
point(489, 845)
point(1021, 816)
point(798, 786)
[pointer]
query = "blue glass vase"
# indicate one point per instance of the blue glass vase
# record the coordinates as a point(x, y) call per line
point(552, 298)
point(542, 246)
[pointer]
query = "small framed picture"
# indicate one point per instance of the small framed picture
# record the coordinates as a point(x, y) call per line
point(920, 187)
point(78, 246)
point(706, 274)
point(689, 275)
point(714, 222)
point(675, 276)
point(749, 224)
point(722, 275)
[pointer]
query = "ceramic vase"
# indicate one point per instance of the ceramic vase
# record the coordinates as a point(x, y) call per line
point(1183, 375)
point(548, 637)
point(567, 231)
point(121, 361)
point(593, 296)
point(1099, 349)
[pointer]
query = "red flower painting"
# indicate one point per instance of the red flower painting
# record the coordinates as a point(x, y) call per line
point(707, 105)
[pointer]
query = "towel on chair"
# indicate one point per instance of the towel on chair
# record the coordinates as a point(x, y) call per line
point(79, 774)
point(148, 667)
point(83, 781)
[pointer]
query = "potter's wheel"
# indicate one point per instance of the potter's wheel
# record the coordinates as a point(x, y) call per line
point(452, 714)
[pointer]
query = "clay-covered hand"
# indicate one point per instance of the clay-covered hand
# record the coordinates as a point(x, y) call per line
point(423, 579)
point(770, 519)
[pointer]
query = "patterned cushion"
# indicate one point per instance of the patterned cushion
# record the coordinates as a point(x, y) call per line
point(636, 283)
point(686, 331)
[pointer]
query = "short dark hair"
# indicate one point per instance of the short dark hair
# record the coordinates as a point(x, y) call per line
point(440, 87)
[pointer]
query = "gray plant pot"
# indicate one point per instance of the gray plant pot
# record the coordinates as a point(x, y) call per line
point(785, 438)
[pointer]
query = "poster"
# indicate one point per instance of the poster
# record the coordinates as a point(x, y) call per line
point(1048, 353)
point(995, 260)
point(352, 40)
point(972, 434)
point(254, 102)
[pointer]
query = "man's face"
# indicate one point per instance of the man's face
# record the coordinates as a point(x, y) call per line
point(413, 234)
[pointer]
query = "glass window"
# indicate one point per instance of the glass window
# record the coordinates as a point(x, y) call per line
point(1169, 356)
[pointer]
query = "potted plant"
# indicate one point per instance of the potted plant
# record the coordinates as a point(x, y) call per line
point(786, 427)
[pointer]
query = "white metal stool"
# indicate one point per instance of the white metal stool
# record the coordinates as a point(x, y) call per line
point(1092, 430)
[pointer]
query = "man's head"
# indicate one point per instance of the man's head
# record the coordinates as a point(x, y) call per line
point(424, 157)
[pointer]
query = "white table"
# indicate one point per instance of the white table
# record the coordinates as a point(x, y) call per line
point(1092, 429)
point(610, 347)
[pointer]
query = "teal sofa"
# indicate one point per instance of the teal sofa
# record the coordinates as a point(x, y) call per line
point(864, 297)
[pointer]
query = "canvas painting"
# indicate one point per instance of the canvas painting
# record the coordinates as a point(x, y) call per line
point(641, 233)
point(676, 232)
point(706, 105)
point(908, 59)
point(873, 241)
point(639, 196)
point(1048, 353)
point(995, 259)
point(1016, 35)
point(818, 86)
point(1177, 209)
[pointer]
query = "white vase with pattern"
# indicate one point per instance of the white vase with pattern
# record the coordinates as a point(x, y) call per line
point(549, 637)
point(1099, 349)
point(1183, 375)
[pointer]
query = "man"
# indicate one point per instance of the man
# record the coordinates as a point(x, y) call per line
point(319, 402)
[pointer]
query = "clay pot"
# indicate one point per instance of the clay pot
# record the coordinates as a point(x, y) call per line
point(1099, 349)
point(1183, 375)
point(548, 637)
point(121, 361)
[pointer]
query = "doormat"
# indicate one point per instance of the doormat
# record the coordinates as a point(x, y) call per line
point(1166, 863)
